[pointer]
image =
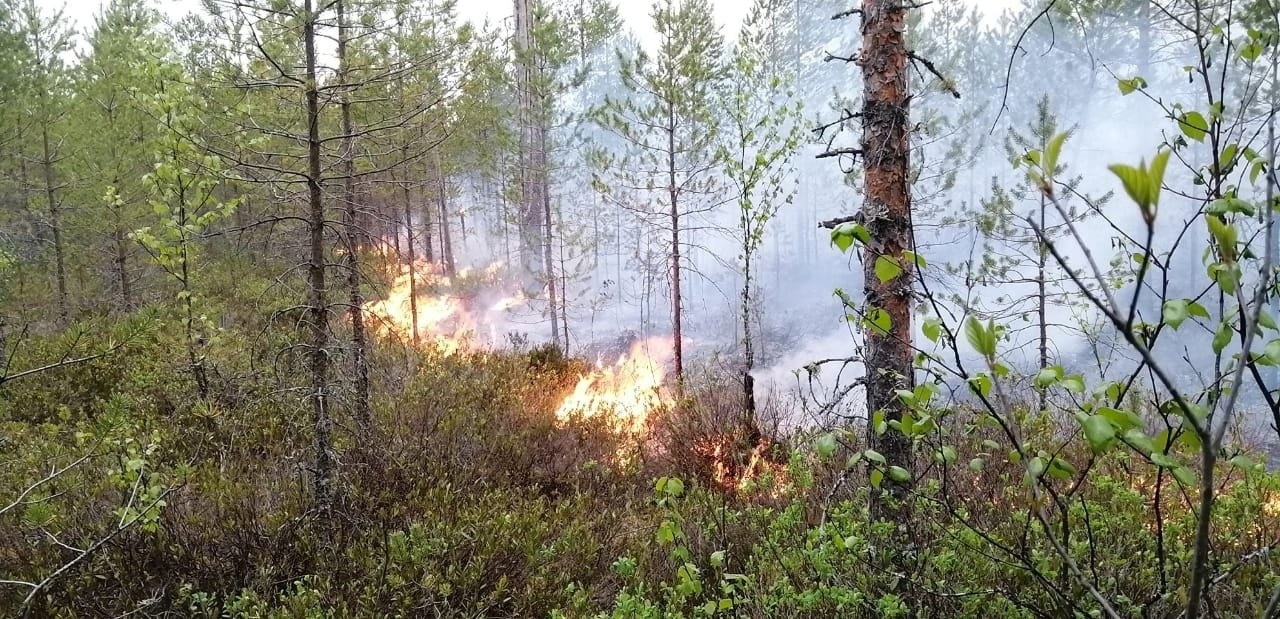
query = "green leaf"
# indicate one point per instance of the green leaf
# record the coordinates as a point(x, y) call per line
point(1051, 152)
point(949, 454)
point(878, 321)
point(874, 456)
point(1174, 312)
point(841, 239)
point(1036, 467)
point(1224, 236)
point(1136, 183)
point(1222, 337)
point(1184, 476)
point(826, 445)
point(981, 384)
point(877, 476)
point(1130, 85)
point(1164, 461)
point(887, 269)
point(1061, 469)
point(899, 474)
point(1250, 51)
point(674, 487)
point(1139, 441)
point(981, 338)
point(1099, 432)
point(1124, 420)
point(1193, 125)
point(666, 532)
point(1073, 383)
point(1222, 206)
point(977, 464)
point(932, 328)
point(1266, 321)
point(1047, 377)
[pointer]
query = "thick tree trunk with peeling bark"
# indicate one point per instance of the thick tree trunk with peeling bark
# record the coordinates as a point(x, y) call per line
point(886, 214)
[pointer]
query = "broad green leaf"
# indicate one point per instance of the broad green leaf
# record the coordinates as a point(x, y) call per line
point(1184, 476)
point(674, 487)
point(981, 338)
point(899, 474)
point(1139, 441)
point(1193, 125)
point(826, 445)
point(1073, 383)
point(1224, 236)
point(877, 477)
point(1036, 467)
point(874, 456)
point(949, 454)
point(887, 269)
point(1051, 152)
point(1222, 337)
point(1130, 85)
point(1136, 183)
point(1174, 312)
point(879, 321)
point(1122, 419)
point(1099, 432)
point(981, 384)
point(932, 328)
point(977, 464)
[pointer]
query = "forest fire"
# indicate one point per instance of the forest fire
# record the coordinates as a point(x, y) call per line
point(737, 469)
point(445, 319)
point(627, 390)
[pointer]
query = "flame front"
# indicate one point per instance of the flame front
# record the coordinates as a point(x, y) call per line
point(442, 319)
point(624, 392)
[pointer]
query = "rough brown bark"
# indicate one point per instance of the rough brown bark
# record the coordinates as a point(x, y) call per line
point(359, 340)
point(886, 213)
point(318, 310)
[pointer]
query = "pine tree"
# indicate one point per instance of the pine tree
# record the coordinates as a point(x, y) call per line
point(668, 122)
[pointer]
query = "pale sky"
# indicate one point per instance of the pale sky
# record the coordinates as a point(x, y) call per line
point(635, 13)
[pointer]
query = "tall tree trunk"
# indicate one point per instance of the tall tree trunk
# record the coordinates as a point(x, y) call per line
point(1041, 300)
point(549, 272)
point(530, 211)
point(748, 345)
point(318, 310)
point(55, 225)
point(673, 194)
point(1144, 39)
point(359, 342)
point(412, 267)
point(886, 213)
point(120, 240)
point(446, 240)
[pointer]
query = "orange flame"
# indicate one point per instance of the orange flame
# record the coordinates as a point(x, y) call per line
point(442, 319)
point(625, 391)
point(732, 473)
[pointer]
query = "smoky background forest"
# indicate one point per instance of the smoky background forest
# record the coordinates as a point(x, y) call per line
point(871, 308)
